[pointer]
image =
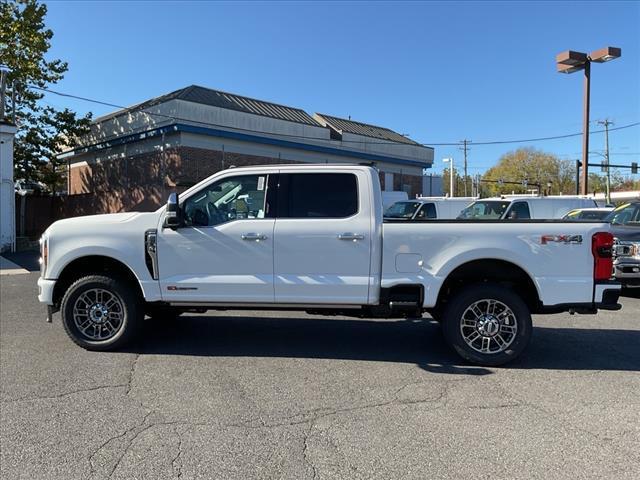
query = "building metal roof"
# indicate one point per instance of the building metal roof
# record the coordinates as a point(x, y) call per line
point(231, 101)
point(359, 128)
point(222, 133)
point(220, 99)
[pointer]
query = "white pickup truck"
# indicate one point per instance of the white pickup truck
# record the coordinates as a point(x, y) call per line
point(313, 238)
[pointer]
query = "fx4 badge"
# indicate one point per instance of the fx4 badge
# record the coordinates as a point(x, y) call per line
point(566, 239)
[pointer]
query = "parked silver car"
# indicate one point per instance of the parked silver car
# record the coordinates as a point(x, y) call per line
point(625, 226)
point(588, 213)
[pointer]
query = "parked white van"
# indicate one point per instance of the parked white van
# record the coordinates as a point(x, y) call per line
point(524, 207)
point(429, 208)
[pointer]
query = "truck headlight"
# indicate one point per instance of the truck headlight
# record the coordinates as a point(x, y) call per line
point(626, 249)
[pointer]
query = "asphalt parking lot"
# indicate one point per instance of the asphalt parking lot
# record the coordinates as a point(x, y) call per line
point(264, 395)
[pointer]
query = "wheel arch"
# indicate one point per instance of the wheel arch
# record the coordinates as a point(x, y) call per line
point(92, 265)
point(491, 270)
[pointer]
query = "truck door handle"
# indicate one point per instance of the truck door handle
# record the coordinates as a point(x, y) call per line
point(350, 236)
point(256, 237)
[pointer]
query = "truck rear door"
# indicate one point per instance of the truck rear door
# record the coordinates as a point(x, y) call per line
point(322, 238)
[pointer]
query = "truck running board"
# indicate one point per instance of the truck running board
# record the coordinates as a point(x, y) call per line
point(396, 305)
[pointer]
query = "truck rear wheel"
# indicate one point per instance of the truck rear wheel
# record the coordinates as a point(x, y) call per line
point(101, 313)
point(487, 324)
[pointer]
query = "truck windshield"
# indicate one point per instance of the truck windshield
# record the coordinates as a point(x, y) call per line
point(485, 210)
point(586, 214)
point(626, 214)
point(402, 210)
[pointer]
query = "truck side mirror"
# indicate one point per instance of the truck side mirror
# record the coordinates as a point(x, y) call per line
point(172, 218)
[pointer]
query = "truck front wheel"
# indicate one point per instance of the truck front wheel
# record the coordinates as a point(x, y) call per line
point(101, 313)
point(487, 324)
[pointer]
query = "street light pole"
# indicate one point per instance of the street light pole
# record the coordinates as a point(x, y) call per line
point(585, 127)
point(569, 62)
point(451, 183)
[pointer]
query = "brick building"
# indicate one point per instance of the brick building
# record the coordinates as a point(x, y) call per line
point(133, 158)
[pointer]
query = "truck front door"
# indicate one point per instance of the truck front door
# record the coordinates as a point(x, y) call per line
point(224, 251)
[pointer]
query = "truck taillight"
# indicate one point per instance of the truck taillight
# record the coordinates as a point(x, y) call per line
point(602, 248)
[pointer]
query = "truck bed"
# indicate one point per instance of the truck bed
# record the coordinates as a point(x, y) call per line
point(426, 252)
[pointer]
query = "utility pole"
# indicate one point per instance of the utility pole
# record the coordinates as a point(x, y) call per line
point(464, 149)
point(606, 124)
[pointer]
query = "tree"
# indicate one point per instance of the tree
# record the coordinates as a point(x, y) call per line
point(534, 167)
point(43, 131)
point(458, 180)
point(626, 184)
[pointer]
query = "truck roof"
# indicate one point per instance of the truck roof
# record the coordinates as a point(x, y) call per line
point(447, 199)
point(296, 166)
point(512, 198)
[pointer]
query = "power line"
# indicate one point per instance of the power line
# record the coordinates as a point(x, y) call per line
point(623, 153)
point(557, 137)
point(429, 144)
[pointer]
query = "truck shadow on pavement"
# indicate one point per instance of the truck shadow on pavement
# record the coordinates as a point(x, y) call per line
point(418, 342)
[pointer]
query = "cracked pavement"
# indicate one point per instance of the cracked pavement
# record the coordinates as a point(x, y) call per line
point(286, 395)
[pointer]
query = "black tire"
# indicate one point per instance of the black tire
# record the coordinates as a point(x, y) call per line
point(163, 313)
point(129, 309)
point(453, 321)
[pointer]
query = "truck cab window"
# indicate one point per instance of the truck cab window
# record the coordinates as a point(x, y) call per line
point(317, 195)
point(231, 198)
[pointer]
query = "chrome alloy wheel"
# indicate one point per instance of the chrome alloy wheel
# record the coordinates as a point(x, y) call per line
point(488, 326)
point(98, 314)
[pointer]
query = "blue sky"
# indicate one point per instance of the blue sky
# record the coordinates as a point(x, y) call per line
point(438, 71)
